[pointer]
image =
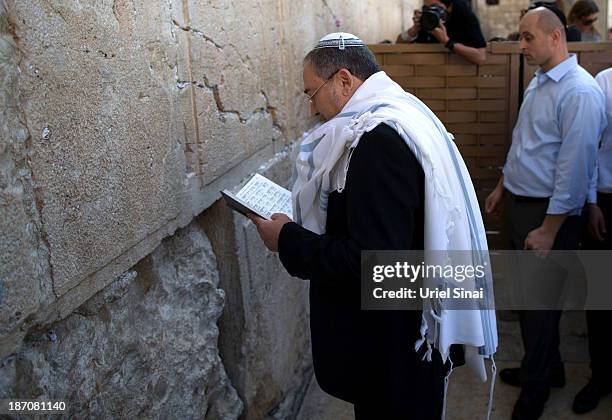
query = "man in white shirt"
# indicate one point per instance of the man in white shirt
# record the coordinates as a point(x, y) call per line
point(546, 178)
point(600, 219)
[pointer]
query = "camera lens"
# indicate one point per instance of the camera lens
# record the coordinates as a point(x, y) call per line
point(429, 21)
point(431, 17)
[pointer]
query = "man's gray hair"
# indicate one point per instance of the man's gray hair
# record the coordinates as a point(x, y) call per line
point(358, 60)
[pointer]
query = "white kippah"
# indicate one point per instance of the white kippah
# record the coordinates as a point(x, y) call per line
point(339, 40)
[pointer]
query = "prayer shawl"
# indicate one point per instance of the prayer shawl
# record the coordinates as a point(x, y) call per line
point(452, 217)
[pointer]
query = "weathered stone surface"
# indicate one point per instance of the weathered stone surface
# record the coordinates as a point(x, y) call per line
point(245, 79)
point(319, 405)
point(124, 118)
point(24, 280)
point(503, 18)
point(145, 347)
point(265, 338)
point(277, 339)
point(121, 121)
point(108, 176)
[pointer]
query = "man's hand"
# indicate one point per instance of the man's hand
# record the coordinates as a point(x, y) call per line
point(440, 34)
point(495, 199)
point(597, 223)
point(540, 240)
point(269, 230)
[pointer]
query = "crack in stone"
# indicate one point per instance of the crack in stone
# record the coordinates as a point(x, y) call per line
point(273, 111)
point(61, 15)
point(114, 9)
point(40, 205)
point(224, 113)
point(246, 62)
point(221, 111)
point(37, 195)
point(194, 108)
point(197, 33)
point(214, 88)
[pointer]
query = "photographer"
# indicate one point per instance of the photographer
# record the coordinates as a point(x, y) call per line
point(457, 29)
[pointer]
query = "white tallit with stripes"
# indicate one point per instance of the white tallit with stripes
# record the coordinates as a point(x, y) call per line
point(452, 217)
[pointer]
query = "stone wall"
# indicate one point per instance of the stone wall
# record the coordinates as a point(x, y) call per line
point(144, 347)
point(502, 19)
point(124, 118)
point(120, 122)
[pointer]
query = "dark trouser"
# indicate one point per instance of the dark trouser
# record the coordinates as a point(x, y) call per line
point(421, 398)
point(400, 384)
point(539, 329)
point(598, 322)
point(394, 383)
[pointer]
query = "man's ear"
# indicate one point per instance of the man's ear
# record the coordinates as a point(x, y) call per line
point(345, 77)
point(556, 35)
point(347, 81)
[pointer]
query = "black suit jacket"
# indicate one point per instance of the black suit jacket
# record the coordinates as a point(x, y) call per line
point(366, 355)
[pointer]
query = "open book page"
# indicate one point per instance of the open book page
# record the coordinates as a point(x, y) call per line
point(265, 197)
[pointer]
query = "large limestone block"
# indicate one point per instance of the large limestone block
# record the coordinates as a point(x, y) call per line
point(145, 347)
point(224, 86)
point(319, 405)
point(277, 355)
point(98, 94)
point(265, 337)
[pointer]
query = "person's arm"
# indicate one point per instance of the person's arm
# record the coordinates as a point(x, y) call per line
point(383, 189)
point(580, 119)
point(592, 194)
point(580, 116)
point(542, 238)
point(496, 197)
point(473, 55)
point(597, 222)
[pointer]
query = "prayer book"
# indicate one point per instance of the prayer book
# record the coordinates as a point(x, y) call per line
point(261, 197)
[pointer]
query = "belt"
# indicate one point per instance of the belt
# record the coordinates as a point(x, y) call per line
point(603, 197)
point(524, 199)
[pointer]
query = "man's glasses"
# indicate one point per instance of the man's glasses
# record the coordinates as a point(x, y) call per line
point(310, 97)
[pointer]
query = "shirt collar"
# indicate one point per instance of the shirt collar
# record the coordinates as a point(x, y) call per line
point(557, 72)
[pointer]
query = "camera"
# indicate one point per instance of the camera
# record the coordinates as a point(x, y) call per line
point(431, 17)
